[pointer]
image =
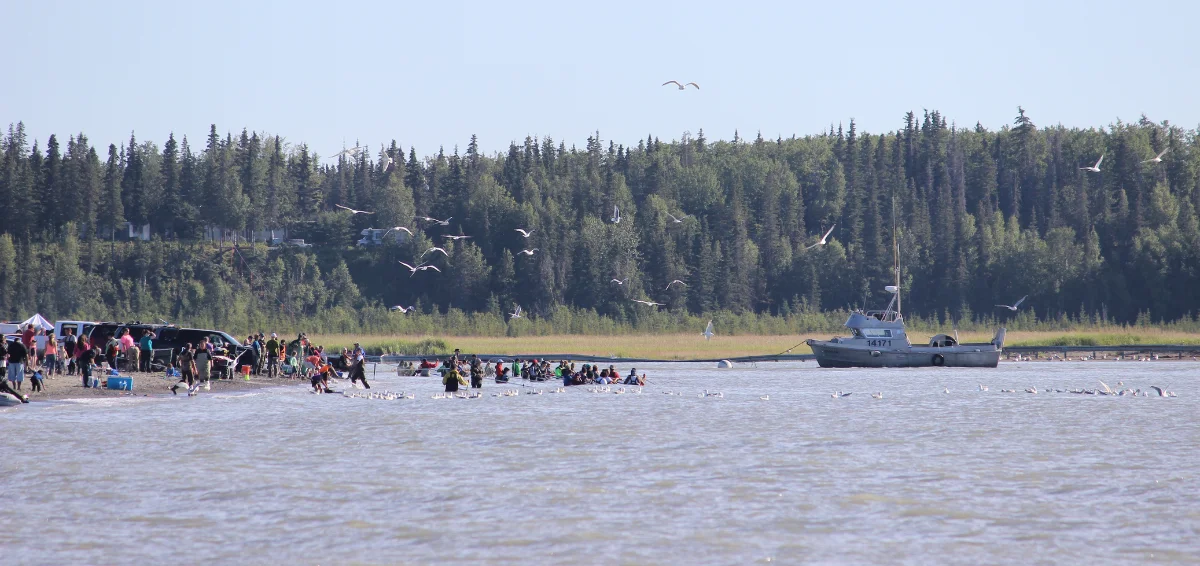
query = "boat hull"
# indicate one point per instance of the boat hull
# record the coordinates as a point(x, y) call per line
point(833, 355)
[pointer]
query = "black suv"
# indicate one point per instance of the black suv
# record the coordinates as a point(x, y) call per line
point(168, 340)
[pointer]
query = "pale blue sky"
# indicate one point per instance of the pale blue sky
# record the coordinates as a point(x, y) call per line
point(434, 73)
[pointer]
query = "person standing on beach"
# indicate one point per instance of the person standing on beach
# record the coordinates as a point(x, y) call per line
point(86, 357)
point(273, 355)
point(146, 345)
point(69, 343)
point(203, 360)
point(17, 355)
point(3, 361)
point(129, 350)
point(112, 349)
point(187, 368)
point(51, 365)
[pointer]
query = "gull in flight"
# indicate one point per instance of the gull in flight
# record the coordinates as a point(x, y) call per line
point(708, 331)
point(616, 219)
point(424, 267)
point(455, 238)
point(524, 233)
point(401, 309)
point(678, 220)
point(516, 313)
point(1157, 158)
point(1095, 168)
point(823, 239)
point(445, 222)
point(352, 152)
point(681, 86)
point(410, 268)
point(674, 282)
point(436, 249)
point(648, 303)
point(1013, 307)
point(352, 211)
point(619, 282)
point(528, 252)
point(385, 162)
point(398, 229)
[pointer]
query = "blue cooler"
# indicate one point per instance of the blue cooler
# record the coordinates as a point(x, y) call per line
point(120, 383)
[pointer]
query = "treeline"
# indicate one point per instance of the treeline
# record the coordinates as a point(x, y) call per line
point(984, 217)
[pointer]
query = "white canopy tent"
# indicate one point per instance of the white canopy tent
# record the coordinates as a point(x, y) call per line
point(38, 321)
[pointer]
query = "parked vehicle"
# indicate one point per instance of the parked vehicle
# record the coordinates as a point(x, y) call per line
point(169, 339)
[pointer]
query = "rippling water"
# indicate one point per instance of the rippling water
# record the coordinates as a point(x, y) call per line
point(918, 477)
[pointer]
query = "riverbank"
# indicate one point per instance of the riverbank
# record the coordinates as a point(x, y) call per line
point(694, 346)
point(144, 385)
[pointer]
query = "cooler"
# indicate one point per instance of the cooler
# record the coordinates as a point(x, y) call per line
point(120, 383)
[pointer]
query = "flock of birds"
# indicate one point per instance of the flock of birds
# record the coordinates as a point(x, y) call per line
point(1103, 390)
point(1096, 168)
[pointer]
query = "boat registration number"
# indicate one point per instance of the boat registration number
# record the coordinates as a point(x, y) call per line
point(879, 343)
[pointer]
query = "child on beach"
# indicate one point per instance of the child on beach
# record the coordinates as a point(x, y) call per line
point(36, 381)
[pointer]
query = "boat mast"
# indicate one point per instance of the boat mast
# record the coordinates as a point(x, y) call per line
point(896, 253)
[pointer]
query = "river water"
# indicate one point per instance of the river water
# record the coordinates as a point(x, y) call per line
point(921, 476)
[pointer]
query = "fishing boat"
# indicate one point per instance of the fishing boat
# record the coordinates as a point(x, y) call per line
point(878, 339)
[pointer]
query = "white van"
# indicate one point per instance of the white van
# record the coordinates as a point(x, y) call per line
point(81, 328)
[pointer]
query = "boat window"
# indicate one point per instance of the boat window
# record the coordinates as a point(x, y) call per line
point(857, 333)
point(877, 332)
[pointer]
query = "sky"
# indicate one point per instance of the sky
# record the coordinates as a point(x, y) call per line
point(431, 74)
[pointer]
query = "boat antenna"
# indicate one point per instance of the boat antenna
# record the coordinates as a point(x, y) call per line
point(896, 250)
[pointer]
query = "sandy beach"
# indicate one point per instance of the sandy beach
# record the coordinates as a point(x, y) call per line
point(144, 385)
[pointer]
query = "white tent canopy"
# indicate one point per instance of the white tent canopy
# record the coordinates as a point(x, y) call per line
point(38, 321)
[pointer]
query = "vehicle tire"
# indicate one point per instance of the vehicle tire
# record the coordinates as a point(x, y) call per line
point(939, 360)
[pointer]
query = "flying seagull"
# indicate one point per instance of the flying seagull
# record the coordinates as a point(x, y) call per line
point(424, 267)
point(1095, 168)
point(524, 233)
point(398, 229)
point(409, 267)
point(708, 331)
point(352, 211)
point(1015, 305)
point(677, 220)
point(528, 252)
point(352, 152)
point(436, 249)
point(516, 313)
point(385, 162)
point(456, 238)
point(823, 239)
point(1157, 158)
point(681, 86)
point(401, 309)
point(674, 282)
point(616, 219)
point(619, 282)
point(648, 303)
point(445, 222)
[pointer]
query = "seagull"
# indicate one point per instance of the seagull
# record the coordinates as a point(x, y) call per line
point(1157, 158)
point(436, 249)
point(1014, 306)
point(648, 303)
point(386, 162)
point(619, 282)
point(765, 398)
point(409, 267)
point(877, 395)
point(674, 282)
point(983, 387)
point(616, 219)
point(424, 267)
point(677, 220)
point(821, 242)
point(445, 222)
point(516, 313)
point(681, 86)
point(455, 238)
point(528, 252)
point(524, 233)
point(1106, 388)
point(1159, 390)
point(708, 331)
point(1095, 168)
point(398, 229)
point(352, 211)
point(353, 152)
point(401, 309)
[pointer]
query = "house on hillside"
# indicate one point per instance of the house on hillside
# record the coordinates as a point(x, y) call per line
point(132, 231)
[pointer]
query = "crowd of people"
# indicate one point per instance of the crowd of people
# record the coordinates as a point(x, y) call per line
point(456, 369)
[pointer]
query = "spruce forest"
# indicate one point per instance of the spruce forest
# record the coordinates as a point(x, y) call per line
point(984, 216)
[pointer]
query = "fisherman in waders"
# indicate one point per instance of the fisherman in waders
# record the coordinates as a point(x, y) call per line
point(476, 372)
point(452, 379)
point(358, 369)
